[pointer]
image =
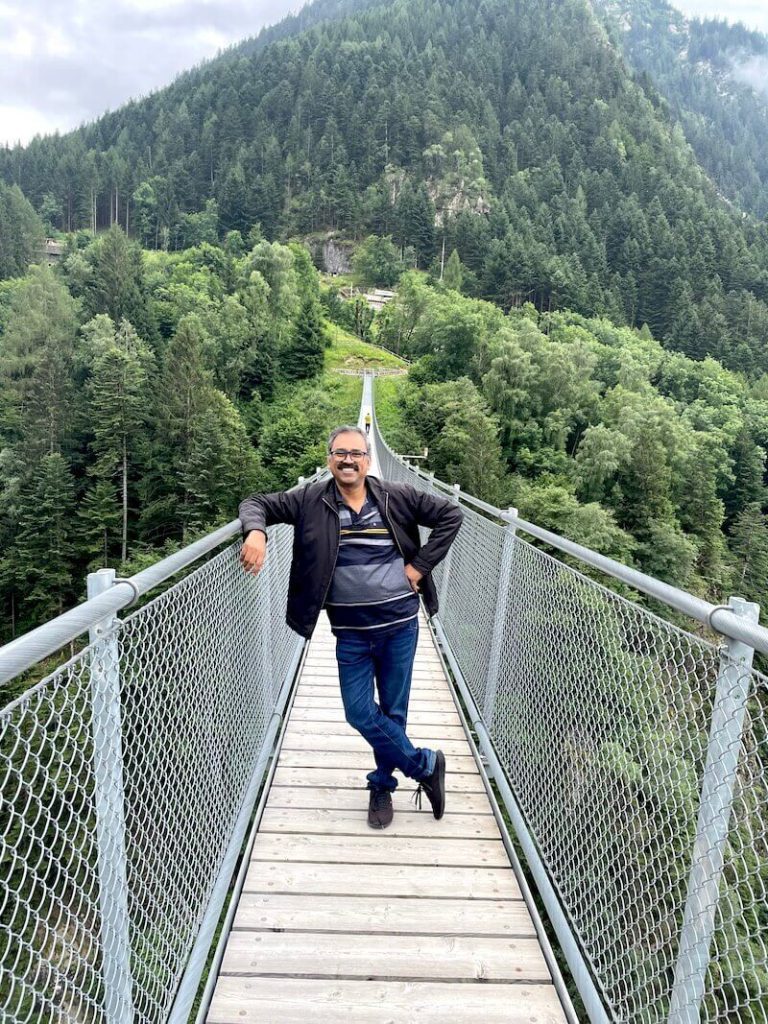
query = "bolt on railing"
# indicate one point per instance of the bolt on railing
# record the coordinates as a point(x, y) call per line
point(632, 756)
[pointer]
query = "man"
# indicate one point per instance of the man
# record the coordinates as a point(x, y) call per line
point(357, 553)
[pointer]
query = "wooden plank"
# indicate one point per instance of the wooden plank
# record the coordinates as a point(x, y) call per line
point(291, 783)
point(352, 742)
point(387, 880)
point(300, 727)
point(329, 666)
point(380, 915)
point(432, 703)
point(423, 670)
point(408, 821)
point(381, 848)
point(297, 1000)
point(335, 716)
point(358, 759)
point(354, 799)
point(330, 693)
point(350, 954)
point(430, 686)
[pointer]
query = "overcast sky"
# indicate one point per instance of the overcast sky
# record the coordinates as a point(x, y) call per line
point(63, 62)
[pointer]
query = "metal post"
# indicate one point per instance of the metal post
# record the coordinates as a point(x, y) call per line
point(265, 615)
point(110, 811)
point(717, 795)
point(443, 598)
point(499, 618)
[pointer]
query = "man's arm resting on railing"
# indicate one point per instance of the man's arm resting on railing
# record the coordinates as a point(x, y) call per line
point(256, 514)
point(444, 517)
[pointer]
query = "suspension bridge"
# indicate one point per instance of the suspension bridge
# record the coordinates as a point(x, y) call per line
point(182, 826)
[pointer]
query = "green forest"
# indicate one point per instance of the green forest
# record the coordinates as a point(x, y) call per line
point(511, 131)
point(567, 199)
point(141, 396)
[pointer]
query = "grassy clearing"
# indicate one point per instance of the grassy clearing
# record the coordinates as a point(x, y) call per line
point(344, 394)
point(337, 280)
point(348, 352)
point(388, 412)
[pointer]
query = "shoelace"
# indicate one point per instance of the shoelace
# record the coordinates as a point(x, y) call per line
point(416, 798)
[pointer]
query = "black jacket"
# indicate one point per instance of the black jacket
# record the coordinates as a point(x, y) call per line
point(312, 512)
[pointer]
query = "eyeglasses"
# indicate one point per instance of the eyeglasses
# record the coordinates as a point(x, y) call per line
point(343, 453)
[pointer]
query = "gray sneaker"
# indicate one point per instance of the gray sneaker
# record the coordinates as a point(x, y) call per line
point(379, 807)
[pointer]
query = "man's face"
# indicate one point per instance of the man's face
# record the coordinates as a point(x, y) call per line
point(350, 470)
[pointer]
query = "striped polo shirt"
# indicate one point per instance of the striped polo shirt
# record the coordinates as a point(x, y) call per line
point(369, 588)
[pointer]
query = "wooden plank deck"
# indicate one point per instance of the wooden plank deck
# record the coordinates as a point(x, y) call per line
point(422, 921)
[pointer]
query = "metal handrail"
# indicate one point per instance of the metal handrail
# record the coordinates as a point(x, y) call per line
point(716, 617)
point(25, 651)
point(628, 752)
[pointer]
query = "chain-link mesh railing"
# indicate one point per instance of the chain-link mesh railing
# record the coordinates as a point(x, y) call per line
point(637, 754)
point(122, 774)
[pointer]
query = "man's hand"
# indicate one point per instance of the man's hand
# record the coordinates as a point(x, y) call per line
point(413, 576)
point(253, 551)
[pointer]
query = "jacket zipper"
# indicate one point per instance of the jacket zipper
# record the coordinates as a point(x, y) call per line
point(336, 555)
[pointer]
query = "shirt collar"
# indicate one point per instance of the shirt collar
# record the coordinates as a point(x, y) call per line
point(340, 497)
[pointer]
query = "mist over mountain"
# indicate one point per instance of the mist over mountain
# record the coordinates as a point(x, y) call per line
point(714, 76)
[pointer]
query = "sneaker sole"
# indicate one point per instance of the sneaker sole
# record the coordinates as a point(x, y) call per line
point(439, 811)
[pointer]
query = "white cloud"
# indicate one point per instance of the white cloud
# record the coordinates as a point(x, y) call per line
point(62, 64)
point(753, 72)
point(753, 13)
point(20, 124)
point(20, 43)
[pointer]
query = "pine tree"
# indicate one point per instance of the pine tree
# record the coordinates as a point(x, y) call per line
point(118, 392)
point(303, 356)
point(750, 549)
point(452, 277)
point(220, 465)
point(36, 364)
point(117, 284)
point(183, 394)
point(44, 543)
point(99, 515)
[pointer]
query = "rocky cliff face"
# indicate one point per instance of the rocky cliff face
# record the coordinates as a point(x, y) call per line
point(335, 255)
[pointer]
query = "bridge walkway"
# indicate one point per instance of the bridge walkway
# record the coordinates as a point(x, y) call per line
point(423, 921)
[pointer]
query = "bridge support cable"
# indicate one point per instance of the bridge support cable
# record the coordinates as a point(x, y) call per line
point(631, 755)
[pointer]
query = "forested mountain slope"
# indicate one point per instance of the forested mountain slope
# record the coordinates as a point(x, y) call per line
point(715, 79)
point(141, 396)
point(511, 128)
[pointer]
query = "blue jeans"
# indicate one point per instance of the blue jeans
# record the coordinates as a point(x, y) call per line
point(386, 656)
